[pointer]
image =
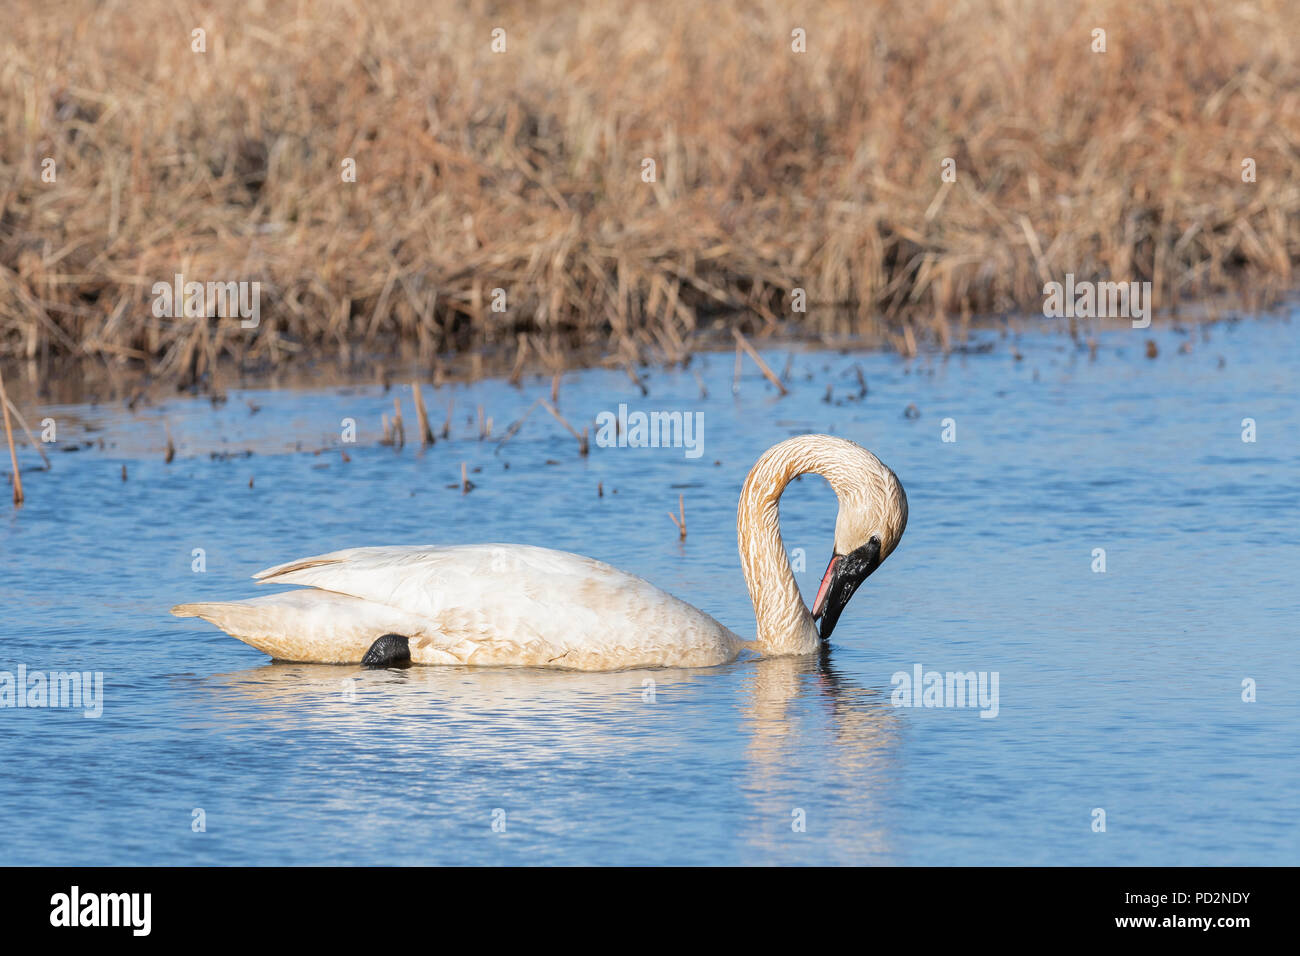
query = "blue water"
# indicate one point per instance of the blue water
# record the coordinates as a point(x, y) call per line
point(1119, 691)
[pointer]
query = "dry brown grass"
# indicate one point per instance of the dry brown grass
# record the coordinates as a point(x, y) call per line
point(521, 170)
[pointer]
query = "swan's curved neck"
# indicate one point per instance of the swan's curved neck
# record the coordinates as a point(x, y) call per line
point(785, 625)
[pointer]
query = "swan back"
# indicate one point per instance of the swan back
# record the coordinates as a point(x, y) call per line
point(493, 604)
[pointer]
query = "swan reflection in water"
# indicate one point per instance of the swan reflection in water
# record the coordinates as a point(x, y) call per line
point(820, 753)
point(811, 738)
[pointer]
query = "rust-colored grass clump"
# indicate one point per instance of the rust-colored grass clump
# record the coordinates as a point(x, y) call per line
point(525, 170)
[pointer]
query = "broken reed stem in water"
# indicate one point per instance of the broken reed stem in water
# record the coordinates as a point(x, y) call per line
point(583, 446)
point(862, 381)
point(422, 416)
point(758, 360)
point(399, 430)
point(465, 483)
point(681, 523)
point(171, 447)
point(484, 424)
point(521, 357)
point(635, 378)
point(9, 436)
point(516, 425)
point(394, 433)
point(22, 422)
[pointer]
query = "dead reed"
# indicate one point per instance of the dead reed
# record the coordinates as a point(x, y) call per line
point(763, 367)
point(422, 417)
point(584, 446)
point(780, 177)
point(9, 437)
point(680, 522)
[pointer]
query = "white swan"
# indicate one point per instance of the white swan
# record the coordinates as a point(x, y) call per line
point(507, 604)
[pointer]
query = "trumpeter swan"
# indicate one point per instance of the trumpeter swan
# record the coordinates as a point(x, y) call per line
point(508, 604)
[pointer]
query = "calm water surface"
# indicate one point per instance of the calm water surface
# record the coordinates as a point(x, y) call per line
point(1119, 690)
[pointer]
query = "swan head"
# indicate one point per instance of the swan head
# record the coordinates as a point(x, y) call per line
point(871, 521)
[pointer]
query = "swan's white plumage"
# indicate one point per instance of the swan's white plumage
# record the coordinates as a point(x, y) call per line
point(509, 604)
point(480, 604)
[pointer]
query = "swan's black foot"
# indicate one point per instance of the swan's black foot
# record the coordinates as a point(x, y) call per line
point(391, 650)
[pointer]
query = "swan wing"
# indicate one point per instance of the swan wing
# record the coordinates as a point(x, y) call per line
point(423, 580)
point(516, 604)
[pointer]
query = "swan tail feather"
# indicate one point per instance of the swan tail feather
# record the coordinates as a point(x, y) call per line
point(227, 615)
point(233, 617)
point(318, 627)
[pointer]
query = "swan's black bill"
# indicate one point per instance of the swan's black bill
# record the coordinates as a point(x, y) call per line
point(843, 575)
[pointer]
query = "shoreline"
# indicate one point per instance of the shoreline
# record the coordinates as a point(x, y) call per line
point(93, 379)
point(1020, 343)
